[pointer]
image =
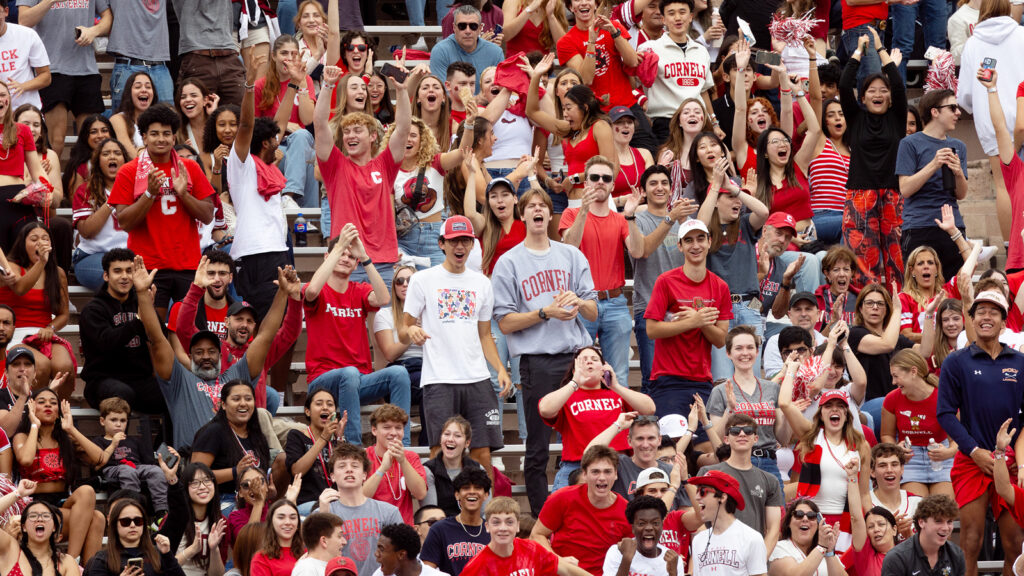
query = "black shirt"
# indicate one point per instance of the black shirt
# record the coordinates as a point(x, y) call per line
point(129, 449)
point(316, 479)
point(874, 138)
point(876, 366)
point(908, 559)
point(220, 440)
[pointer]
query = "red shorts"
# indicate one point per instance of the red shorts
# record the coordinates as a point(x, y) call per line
point(970, 483)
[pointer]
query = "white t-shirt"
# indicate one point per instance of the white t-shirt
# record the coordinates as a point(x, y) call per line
point(425, 570)
point(641, 565)
point(739, 551)
point(383, 320)
point(307, 566)
point(787, 549)
point(450, 306)
point(908, 504)
point(514, 134)
point(260, 226)
point(21, 50)
point(433, 189)
point(1012, 339)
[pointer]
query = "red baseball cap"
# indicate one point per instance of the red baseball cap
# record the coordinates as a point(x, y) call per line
point(340, 563)
point(781, 220)
point(722, 482)
point(457, 227)
point(833, 394)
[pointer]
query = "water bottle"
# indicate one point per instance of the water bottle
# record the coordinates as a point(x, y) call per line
point(300, 231)
point(716, 19)
point(933, 445)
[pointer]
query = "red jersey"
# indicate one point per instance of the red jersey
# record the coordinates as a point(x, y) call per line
point(528, 559)
point(215, 319)
point(603, 241)
point(336, 324)
point(913, 313)
point(586, 414)
point(915, 420)
point(1013, 176)
point(364, 196)
point(392, 488)
point(686, 355)
point(582, 530)
point(675, 536)
point(169, 237)
point(794, 200)
point(611, 84)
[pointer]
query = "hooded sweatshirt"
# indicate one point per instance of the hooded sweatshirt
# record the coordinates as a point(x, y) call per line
point(999, 38)
point(114, 340)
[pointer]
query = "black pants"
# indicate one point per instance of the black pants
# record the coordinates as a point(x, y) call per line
point(62, 238)
point(12, 216)
point(143, 395)
point(949, 254)
point(541, 374)
point(254, 279)
point(661, 128)
point(643, 136)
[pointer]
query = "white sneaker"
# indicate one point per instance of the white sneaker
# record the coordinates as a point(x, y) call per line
point(987, 253)
point(288, 202)
point(420, 44)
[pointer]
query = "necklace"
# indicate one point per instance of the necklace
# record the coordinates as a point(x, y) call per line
point(320, 456)
point(636, 172)
point(749, 400)
point(464, 529)
point(396, 488)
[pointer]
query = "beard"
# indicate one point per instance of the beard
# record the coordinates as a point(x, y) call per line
point(210, 373)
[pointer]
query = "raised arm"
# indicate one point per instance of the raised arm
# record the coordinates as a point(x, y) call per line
point(160, 350)
point(243, 137)
point(885, 343)
point(93, 453)
point(256, 354)
point(403, 111)
point(333, 35)
point(798, 423)
point(470, 195)
point(541, 118)
point(326, 268)
point(739, 95)
point(1000, 473)
point(323, 138)
point(995, 109)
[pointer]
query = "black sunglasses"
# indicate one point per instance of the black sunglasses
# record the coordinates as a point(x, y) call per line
point(401, 281)
point(126, 522)
point(474, 26)
point(607, 178)
point(747, 430)
point(354, 47)
point(801, 514)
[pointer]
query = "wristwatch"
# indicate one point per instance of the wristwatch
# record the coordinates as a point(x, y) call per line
point(294, 86)
point(543, 315)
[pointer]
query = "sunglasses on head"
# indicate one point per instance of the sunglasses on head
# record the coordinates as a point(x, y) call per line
point(474, 26)
point(746, 430)
point(606, 178)
point(126, 522)
point(359, 47)
point(801, 514)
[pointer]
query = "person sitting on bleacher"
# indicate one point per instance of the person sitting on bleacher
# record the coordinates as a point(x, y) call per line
point(35, 541)
point(192, 394)
point(125, 462)
point(219, 275)
point(7, 319)
point(19, 378)
point(132, 538)
point(117, 362)
point(454, 542)
point(307, 451)
point(45, 446)
point(397, 475)
point(159, 197)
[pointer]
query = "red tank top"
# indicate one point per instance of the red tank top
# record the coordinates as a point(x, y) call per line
point(515, 235)
point(576, 156)
point(629, 176)
point(32, 310)
point(527, 40)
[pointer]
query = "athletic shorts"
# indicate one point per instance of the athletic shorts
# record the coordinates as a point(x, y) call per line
point(79, 94)
point(475, 402)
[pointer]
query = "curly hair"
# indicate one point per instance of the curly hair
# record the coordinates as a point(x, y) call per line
point(428, 144)
point(97, 182)
point(404, 538)
point(210, 140)
point(937, 506)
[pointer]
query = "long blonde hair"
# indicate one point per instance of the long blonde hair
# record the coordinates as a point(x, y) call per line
point(10, 134)
point(940, 345)
point(909, 360)
point(852, 436)
point(910, 285)
point(546, 39)
point(428, 144)
point(397, 304)
point(342, 102)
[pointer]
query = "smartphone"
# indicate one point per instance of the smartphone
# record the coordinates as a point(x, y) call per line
point(811, 233)
point(334, 416)
point(78, 32)
point(165, 454)
point(606, 378)
point(394, 72)
point(136, 562)
point(820, 518)
point(987, 65)
point(768, 58)
point(497, 29)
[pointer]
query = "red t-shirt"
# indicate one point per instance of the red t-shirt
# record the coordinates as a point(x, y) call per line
point(913, 313)
point(686, 355)
point(586, 414)
point(1013, 176)
point(528, 558)
point(336, 324)
point(364, 195)
point(262, 565)
point(854, 16)
point(865, 562)
point(1015, 321)
point(516, 234)
point(272, 110)
point(794, 200)
point(915, 420)
point(13, 162)
point(394, 482)
point(582, 530)
point(610, 79)
point(169, 237)
point(215, 319)
point(603, 241)
point(675, 536)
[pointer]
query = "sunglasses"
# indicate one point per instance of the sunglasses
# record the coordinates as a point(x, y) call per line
point(746, 430)
point(801, 350)
point(126, 522)
point(359, 47)
point(801, 514)
point(606, 178)
point(705, 490)
point(401, 281)
point(952, 107)
point(474, 26)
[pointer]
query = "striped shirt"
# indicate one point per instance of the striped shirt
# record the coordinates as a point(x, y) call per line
point(827, 174)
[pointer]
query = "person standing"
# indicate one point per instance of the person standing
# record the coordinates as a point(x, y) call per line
point(24, 63)
point(207, 47)
point(140, 43)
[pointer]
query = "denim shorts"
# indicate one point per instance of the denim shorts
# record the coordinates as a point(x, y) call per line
point(919, 468)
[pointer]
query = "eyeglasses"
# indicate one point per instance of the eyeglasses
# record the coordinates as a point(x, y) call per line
point(874, 303)
point(40, 516)
point(204, 483)
point(778, 141)
point(746, 430)
point(667, 459)
point(471, 25)
point(354, 47)
point(126, 522)
point(801, 514)
point(429, 521)
point(606, 178)
point(401, 281)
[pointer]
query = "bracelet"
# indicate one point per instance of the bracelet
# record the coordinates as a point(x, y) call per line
point(148, 194)
point(366, 263)
point(786, 91)
point(853, 480)
point(253, 86)
point(830, 553)
point(674, 488)
point(957, 236)
point(574, 385)
point(787, 287)
point(708, 426)
point(528, 10)
point(686, 432)
point(380, 472)
point(291, 85)
point(234, 474)
point(616, 34)
point(993, 90)
point(34, 426)
point(856, 53)
point(328, 86)
point(589, 53)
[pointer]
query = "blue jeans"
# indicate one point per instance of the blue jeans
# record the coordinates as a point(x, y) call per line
point(161, 76)
point(298, 165)
point(809, 277)
point(933, 15)
point(385, 269)
point(421, 240)
point(88, 269)
point(273, 400)
point(227, 504)
point(829, 224)
point(443, 6)
point(721, 366)
point(645, 346)
point(286, 11)
point(562, 476)
point(769, 465)
point(873, 409)
point(612, 328)
point(674, 395)
point(416, 10)
point(524, 184)
point(325, 217)
point(351, 388)
point(870, 63)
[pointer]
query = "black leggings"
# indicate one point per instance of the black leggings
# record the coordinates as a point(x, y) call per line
point(12, 216)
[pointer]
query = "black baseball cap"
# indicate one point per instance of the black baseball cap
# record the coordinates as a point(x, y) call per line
point(803, 296)
point(203, 335)
point(20, 351)
point(241, 305)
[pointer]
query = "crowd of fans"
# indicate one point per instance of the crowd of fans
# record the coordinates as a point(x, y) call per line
point(826, 382)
